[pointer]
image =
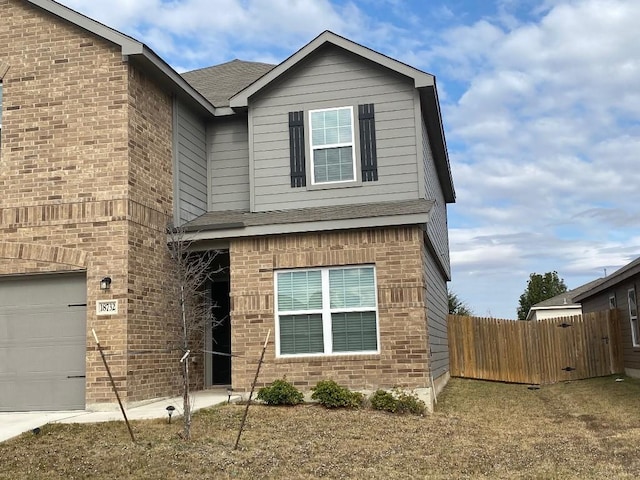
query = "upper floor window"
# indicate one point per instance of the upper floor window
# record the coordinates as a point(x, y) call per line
point(326, 311)
point(323, 147)
point(332, 145)
point(633, 317)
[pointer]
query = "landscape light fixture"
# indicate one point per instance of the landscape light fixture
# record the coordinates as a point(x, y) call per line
point(105, 283)
point(229, 393)
point(170, 410)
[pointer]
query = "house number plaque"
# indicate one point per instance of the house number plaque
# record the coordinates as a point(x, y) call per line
point(106, 307)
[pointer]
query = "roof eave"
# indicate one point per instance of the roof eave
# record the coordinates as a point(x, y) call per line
point(130, 48)
point(435, 131)
point(420, 79)
point(238, 230)
point(608, 282)
point(175, 83)
point(127, 43)
point(558, 307)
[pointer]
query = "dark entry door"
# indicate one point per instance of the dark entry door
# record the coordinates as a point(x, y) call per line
point(221, 334)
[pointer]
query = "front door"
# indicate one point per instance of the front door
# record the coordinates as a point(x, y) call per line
point(221, 334)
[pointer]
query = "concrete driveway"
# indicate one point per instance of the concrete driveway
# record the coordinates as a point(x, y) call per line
point(13, 424)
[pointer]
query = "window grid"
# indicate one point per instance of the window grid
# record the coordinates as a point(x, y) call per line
point(347, 317)
point(332, 145)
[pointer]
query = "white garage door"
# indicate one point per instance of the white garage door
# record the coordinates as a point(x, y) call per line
point(42, 342)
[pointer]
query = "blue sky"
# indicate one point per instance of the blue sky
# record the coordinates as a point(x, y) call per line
point(540, 100)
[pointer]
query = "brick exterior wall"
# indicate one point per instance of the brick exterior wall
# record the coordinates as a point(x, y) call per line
point(85, 176)
point(153, 367)
point(396, 253)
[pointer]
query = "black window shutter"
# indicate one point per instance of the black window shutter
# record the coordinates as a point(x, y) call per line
point(368, 157)
point(296, 145)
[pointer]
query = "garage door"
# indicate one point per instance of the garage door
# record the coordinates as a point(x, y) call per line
point(42, 342)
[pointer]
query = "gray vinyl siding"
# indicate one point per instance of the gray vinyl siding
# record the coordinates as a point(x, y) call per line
point(228, 141)
point(334, 78)
point(600, 302)
point(437, 311)
point(191, 160)
point(437, 228)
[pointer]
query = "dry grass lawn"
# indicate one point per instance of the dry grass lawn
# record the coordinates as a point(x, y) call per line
point(587, 429)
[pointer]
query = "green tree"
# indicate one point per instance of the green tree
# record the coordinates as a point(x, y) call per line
point(457, 306)
point(540, 288)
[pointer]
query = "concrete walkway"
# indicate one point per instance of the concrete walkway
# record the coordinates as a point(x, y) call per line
point(13, 424)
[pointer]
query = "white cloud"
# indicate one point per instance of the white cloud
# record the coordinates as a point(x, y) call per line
point(206, 31)
point(547, 130)
point(540, 102)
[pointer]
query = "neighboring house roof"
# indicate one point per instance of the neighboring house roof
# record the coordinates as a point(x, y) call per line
point(220, 82)
point(564, 300)
point(620, 275)
point(424, 82)
point(308, 219)
point(133, 50)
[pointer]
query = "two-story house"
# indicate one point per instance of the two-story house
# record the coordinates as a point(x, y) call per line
point(323, 183)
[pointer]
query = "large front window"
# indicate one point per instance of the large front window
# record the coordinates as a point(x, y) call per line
point(326, 311)
point(332, 145)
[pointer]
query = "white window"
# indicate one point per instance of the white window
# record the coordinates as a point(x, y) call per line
point(612, 302)
point(633, 317)
point(333, 157)
point(324, 311)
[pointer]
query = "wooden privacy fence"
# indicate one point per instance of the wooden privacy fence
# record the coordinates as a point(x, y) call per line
point(535, 352)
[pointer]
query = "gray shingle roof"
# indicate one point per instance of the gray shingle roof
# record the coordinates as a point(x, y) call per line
point(240, 219)
point(220, 82)
point(566, 298)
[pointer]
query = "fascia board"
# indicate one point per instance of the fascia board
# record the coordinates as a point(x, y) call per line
point(610, 281)
point(128, 45)
point(421, 79)
point(304, 227)
point(435, 131)
point(176, 79)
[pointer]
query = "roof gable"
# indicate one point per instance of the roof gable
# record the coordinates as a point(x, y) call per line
point(420, 78)
point(424, 82)
point(133, 49)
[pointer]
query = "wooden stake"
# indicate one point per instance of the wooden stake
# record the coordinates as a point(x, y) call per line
point(253, 386)
point(113, 384)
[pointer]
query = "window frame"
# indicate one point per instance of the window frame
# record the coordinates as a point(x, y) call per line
point(325, 313)
point(612, 302)
point(352, 144)
point(635, 332)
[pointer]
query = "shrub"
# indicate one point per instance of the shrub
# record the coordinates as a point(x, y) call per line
point(332, 395)
point(398, 401)
point(409, 403)
point(383, 400)
point(280, 392)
